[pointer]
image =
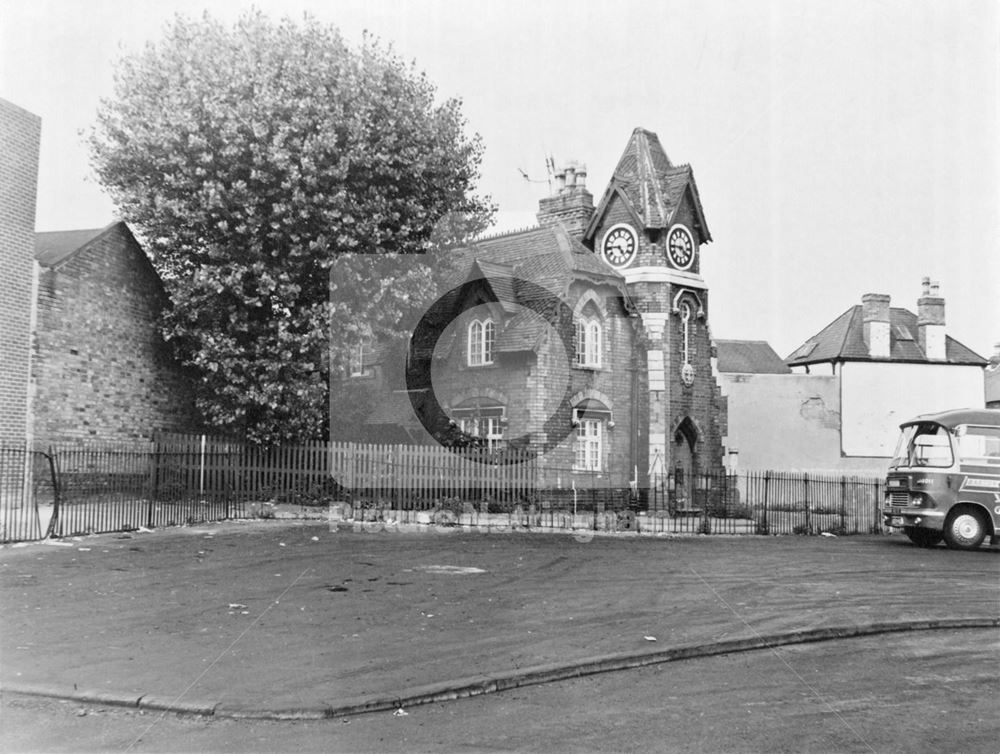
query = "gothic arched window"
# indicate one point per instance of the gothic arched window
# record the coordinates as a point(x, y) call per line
point(481, 336)
point(589, 335)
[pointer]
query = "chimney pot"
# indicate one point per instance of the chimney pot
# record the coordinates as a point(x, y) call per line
point(570, 176)
point(930, 321)
point(560, 181)
point(570, 205)
point(875, 324)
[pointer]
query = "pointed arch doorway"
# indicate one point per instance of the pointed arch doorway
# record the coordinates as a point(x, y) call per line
point(685, 465)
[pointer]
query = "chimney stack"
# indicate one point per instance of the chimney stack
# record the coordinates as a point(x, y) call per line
point(930, 321)
point(571, 205)
point(875, 317)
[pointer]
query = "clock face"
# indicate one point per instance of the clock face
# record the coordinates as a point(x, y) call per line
point(680, 247)
point(620, 245)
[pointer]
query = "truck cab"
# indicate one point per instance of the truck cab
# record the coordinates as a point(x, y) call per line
point(944, 479)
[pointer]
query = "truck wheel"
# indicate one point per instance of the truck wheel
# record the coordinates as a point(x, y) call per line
point(923, 537)
point(964, 530)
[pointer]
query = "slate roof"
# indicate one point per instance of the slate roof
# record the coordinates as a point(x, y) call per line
point(55, 247)
point(524, 266)
point(548, 257)
point(749, 356)
point(843, 340)
point(653, 188)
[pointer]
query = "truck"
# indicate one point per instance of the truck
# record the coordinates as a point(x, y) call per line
point(943, 481)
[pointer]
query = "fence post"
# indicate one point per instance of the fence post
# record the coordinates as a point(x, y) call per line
point(843, 504)
point(767, 484)
point(806, 483)
point(56, 493)
point(156, 484)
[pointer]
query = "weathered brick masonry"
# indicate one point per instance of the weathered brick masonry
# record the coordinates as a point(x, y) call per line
point(19, 142)
point(647, 408)
point(100, 367)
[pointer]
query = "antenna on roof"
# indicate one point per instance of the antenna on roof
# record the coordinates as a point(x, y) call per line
point(550, 167)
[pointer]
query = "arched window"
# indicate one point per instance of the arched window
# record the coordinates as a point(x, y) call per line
point(588, 341)
point(481, 337)
point(591, 420)
point(686, 332)
point(481, 417)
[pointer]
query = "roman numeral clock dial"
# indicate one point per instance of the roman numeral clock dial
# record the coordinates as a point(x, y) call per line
point(620, 245)
point(680, 247)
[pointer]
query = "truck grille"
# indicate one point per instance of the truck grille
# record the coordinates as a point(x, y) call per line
point(899, 499)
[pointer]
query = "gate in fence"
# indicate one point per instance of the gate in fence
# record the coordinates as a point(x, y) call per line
point(22, 472)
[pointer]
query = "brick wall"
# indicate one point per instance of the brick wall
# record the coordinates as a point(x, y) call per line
point(101, 369)
point(533, 386)
point(663, 410)
point(19, 141)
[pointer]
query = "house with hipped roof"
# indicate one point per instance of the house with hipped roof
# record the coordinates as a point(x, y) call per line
point(584, 339)
point(885, 365)
point(836, 402)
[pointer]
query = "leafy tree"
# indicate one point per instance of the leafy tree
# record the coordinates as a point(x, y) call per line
point(249, 158)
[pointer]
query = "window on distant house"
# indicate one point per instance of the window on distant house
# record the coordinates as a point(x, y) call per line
point(481, 337)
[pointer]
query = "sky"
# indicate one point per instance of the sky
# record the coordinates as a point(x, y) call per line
point(839, 148)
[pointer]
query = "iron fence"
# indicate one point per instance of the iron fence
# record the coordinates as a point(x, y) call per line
point(22, 471)
point(88, 489)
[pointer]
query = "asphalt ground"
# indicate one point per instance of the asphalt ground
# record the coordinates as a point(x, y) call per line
point(246, 618)
point(927, 691)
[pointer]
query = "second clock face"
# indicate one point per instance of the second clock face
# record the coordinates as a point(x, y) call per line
point(680, 247)
point(620, 245)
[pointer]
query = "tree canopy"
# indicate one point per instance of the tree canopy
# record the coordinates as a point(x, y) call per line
point(248, 158)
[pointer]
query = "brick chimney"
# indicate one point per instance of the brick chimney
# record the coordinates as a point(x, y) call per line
point(930, 321)
point(571, 205)
point(875, 317)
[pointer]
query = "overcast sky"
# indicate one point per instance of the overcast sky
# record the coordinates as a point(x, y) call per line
point(839, 147)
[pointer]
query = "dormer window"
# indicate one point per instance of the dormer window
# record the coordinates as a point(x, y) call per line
point(482, 334)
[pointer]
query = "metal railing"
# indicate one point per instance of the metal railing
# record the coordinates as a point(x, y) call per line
point(88, 489)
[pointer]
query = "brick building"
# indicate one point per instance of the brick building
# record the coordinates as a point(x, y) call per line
point(100, 368)
point(19, 142)
point(585, 339)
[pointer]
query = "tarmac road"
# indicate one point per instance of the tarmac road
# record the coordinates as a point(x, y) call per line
point(928, 692)
point(244, 619)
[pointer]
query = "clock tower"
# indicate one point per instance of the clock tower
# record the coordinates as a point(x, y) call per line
point(650, 228)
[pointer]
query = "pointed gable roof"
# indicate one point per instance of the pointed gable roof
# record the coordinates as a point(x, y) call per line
point(55, 247)
point(844, 340)
point(652, 187)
